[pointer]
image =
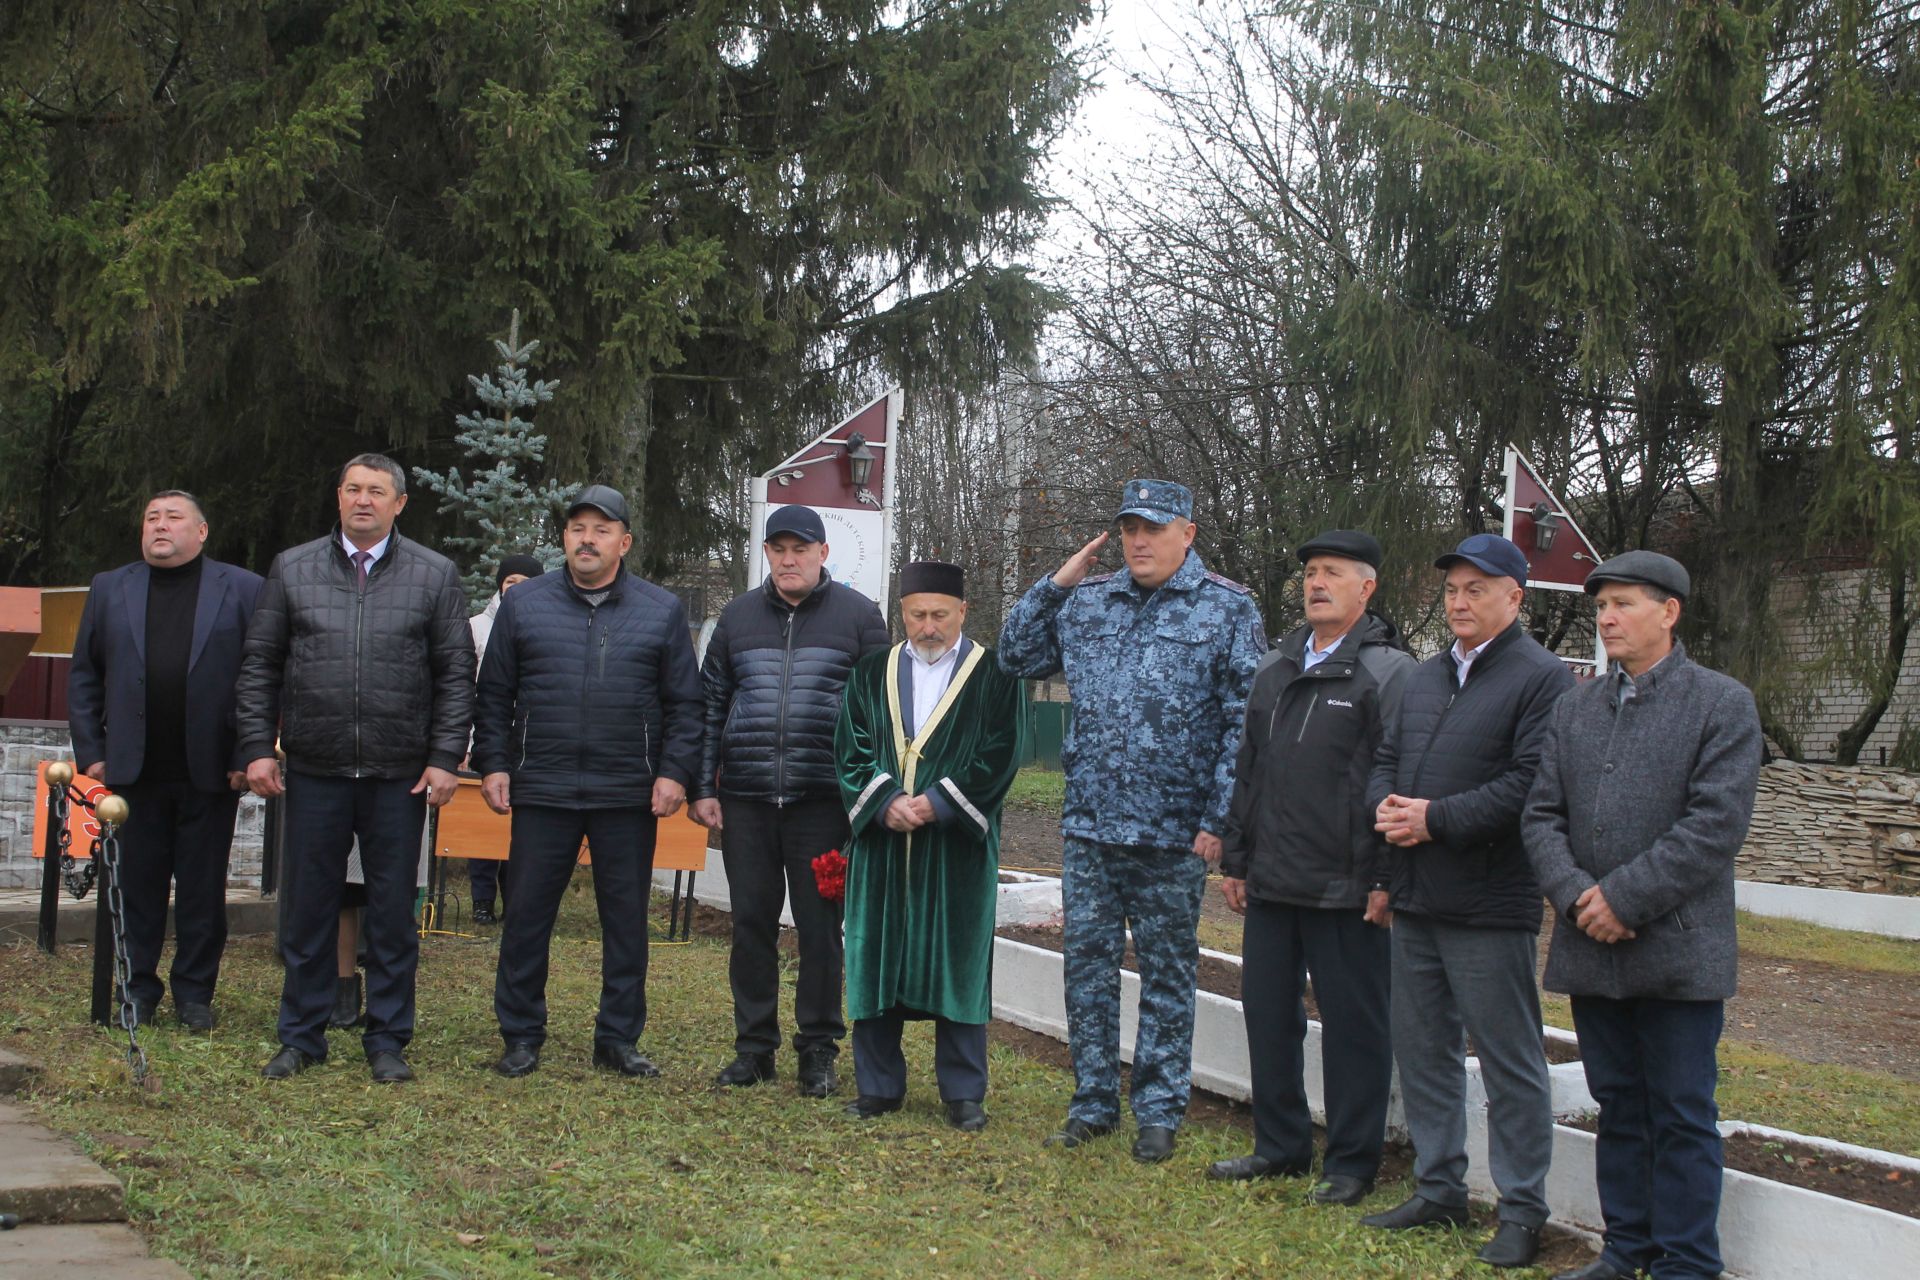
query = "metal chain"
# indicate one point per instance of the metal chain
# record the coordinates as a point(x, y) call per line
point(107, 850)
point(79, 877)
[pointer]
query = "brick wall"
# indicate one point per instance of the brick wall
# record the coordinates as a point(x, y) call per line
point(1810, 629)
point(23, 744)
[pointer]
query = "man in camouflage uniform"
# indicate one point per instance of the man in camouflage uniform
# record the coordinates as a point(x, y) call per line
point(1159, 658)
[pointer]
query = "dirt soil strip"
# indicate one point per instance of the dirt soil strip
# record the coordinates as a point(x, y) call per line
point(1808, 1012)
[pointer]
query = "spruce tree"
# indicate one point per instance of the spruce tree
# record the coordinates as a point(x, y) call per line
point(266, 231)
point(512, 516)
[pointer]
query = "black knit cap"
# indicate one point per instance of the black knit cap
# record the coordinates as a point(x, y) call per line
point(935, 577)
point(526, 566)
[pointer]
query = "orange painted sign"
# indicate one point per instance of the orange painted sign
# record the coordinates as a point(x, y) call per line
point(468, 829)
point(81, 824)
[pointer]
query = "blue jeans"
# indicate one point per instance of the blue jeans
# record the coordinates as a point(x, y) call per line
point(1650, 1064)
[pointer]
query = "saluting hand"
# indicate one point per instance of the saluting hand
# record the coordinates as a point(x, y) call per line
point(1075, 570)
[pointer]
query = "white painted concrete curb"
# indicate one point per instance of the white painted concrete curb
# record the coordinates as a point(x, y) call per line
point(1890, 914)
point(1025, 899)
point(1768, 1230)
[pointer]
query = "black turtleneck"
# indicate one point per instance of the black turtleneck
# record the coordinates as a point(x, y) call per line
point(173, 595)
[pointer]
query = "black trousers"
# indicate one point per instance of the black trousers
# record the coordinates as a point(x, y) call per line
point(180, 836)
point(323, 816)
point(546, 845)
point(1351, 962)
point(487, 878)
point(959, 1057)
point(768, 851)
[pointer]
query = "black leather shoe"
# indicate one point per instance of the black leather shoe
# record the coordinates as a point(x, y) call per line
point(389, 1067)
point(346, 1004)
point(1599, 1269)
point(1341, 1188)
point(484, 915)
point(1076, 1132)
point(625, 1059)
point(288, 1062)
point(520, 1059)
point(817, 1079)
point(1512, 1246)
point(747, 1069)
point(195, 1017)
point(967, 1116)
point(1247, 1168)
point(866, 1107)
point(1417, 1211)
point(1153, 1144)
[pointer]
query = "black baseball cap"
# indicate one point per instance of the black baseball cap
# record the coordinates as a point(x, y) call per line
point(1489, 553)
point(803, 522)
point(602, 498)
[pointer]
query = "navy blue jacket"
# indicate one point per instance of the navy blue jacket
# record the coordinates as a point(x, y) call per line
point(1472, 750)
point(106, 695)
point(774, 677)
point(585, 705)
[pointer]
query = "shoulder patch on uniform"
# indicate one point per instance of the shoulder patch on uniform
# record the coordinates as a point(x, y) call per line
point(1090, 579)
point(1228, 583)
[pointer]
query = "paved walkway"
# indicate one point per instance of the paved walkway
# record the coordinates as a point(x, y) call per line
point(247, 912)
point(72, 1213)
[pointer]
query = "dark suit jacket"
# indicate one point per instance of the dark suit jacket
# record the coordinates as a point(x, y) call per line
point(106, 690)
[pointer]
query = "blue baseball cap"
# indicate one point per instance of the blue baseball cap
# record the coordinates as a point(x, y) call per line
point(803, 522)
point(1161, 501)
point(1489, 553)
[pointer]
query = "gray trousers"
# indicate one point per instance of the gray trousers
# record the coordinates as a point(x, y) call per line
point(1450, 981)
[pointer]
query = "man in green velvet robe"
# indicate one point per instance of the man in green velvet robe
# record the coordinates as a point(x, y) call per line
point(929, 739)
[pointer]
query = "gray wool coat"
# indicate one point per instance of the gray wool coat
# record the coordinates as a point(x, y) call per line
point(1650, 801)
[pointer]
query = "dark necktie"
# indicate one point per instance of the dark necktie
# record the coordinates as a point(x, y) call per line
point(361, 559)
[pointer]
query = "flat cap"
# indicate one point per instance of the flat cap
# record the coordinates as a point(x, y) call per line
point(1649, 568)
point(602, 498)
point(1489, 553)
point(798, 520)
point(1161, 501)
point(1348, 543)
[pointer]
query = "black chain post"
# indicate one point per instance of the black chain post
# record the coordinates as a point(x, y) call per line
point(53, 853)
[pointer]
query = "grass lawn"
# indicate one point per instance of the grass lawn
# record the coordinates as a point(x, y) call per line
point(1041, 790)
point(571, 1172)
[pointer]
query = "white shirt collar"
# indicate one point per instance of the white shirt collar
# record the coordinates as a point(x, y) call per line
point(377, 550)
point(1463, 659)
point(1311, 657)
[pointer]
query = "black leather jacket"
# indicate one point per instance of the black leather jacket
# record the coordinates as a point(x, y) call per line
point(373, 683)
point(773, 679)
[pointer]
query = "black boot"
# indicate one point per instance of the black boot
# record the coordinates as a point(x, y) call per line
point(346, 1004)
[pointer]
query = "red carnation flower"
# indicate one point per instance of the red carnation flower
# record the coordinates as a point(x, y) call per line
point(830, 876)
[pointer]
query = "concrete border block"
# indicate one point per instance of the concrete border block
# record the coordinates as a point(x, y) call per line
point(1892, 915)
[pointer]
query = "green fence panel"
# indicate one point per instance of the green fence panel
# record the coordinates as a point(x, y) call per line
point(1046, 730)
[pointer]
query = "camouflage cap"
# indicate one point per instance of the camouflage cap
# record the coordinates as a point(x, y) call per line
point(1161, 501)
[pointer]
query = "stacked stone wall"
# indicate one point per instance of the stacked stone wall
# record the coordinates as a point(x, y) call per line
point(23, 745)
point(1835, 827)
